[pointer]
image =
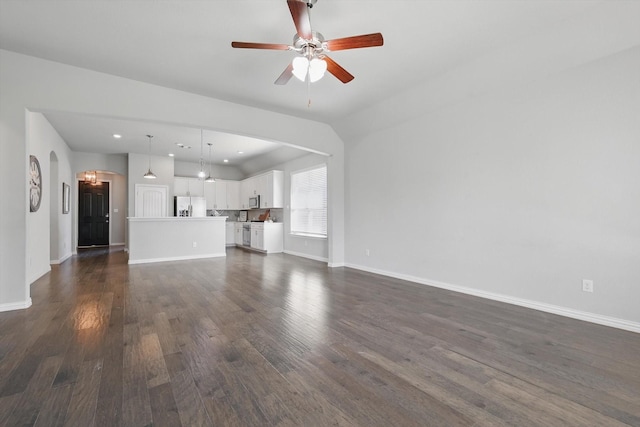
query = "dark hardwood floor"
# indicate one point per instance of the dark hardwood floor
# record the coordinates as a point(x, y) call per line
point(254, 340)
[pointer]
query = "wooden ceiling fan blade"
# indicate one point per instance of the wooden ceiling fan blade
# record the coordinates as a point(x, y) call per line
point(250, 45)
point(341, 74)
point(285, 76)
point(355, 42)
point(300, 15)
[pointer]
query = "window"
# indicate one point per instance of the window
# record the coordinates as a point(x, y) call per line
point(309, 202)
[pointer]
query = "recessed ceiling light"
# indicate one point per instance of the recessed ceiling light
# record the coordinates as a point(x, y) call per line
point(117, 136)
point(180, 145)
point(226, 160)
point(170, 154)
point(240, 152)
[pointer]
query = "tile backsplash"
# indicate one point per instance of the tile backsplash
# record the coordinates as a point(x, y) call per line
point(252, 214)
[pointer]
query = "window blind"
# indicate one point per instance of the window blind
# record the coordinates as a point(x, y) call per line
point(309, 202)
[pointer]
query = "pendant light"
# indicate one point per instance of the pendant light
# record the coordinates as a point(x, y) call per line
point(149, 174)
point(209, 178)
point(201, 174)
point(91, 177)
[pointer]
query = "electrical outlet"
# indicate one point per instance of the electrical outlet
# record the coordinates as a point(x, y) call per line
point(367, 252)
point(195, 244)
point(587, 285)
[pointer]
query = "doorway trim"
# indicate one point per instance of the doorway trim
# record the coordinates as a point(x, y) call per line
point(76, 211)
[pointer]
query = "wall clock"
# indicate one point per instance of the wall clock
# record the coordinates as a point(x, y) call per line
point(35, 184)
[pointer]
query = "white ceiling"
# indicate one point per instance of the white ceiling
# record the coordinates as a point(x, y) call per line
point(95, 134)
point(186, 45)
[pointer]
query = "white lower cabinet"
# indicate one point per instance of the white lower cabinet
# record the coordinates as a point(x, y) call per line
point(257, 236)
point(267, 236)
point(238, 233)
point(230, 236)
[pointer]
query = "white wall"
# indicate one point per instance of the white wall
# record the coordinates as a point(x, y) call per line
point(161, 166)
point(40, 85)
point(118, 219)
point(309, 247)
point(117, 165)
point(521, 194)
point(43, 140)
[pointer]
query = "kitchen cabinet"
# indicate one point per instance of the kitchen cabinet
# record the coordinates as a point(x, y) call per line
point(222, 194)
point(210, 194)
point(230, 235)
point(267, 236)
point(257, 236)
point(238, 232)
point(272, 187)
point(245, 193)
point(183, 186)
point(269, 186)
point(233, 195)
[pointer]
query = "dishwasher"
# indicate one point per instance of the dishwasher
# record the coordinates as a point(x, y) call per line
point(246, 234)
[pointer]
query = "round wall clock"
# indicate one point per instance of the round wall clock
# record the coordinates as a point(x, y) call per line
point(35, 184)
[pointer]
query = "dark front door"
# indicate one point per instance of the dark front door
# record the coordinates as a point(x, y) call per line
point(93, 214)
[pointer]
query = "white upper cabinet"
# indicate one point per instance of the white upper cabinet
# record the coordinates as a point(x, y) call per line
point(233, 195)
point(183, 186)
point(272, 190)
point(210, 194)
point(223, 195)
point(180, 186)
point(244, 194)
point(269, 186)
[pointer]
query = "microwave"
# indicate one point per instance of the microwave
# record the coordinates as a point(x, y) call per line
point(254, 202)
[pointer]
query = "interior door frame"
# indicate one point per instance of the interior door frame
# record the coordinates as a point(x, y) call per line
point(76, 211)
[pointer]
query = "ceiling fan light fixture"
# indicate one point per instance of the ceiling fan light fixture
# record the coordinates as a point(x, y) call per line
point(317, 68)
point(300, 66)
point(314, 68)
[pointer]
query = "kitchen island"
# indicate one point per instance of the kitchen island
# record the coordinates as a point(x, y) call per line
point(175, 238)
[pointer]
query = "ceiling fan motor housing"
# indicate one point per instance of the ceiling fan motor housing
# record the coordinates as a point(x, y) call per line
point(313, 47)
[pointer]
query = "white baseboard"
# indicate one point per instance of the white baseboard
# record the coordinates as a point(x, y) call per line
point(40, 274)
point(21, 305)
point(178, 258)
point(61, 260)
point(303, 255)
point(548, 308)
point(336, 264)
point(117, 244)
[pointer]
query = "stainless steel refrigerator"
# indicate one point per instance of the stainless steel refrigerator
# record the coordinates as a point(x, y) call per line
point(189, 206)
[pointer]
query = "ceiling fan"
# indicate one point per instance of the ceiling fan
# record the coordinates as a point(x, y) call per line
point(312, 48)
